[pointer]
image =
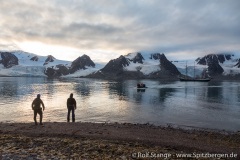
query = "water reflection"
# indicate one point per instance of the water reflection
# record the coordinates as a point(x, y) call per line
point(138, 97)
point(83, 89)
point(211, 105)
point(164, 93)
point(9, 89)
point(119, 88)
point(214, 91)
point(141, 90)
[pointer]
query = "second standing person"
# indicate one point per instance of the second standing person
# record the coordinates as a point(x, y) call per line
point(71, 105)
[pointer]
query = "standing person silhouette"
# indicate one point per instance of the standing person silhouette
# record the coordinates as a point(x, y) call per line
point(71, 106)
point(36, 107)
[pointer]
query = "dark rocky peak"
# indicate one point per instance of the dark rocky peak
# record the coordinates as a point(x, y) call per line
point(213, 66)
point(138, 58)
point(156, 56)
point(35, 58)
point(221, 58)
point(81, 63)
point(62, 69)
point(238, 64)
point(116, 64)
point(213, 62)
point(8, 59)
point(50, 58)
point(58, 71)
point(167, 65)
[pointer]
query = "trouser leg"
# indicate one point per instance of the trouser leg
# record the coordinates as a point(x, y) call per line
point(68, 116)
point(35, 117)
point(41, 116)
point(73, 115)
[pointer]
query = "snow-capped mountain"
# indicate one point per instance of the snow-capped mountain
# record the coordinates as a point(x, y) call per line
point(30, 59)
point(226, 64)
point(138, 63)
point(80, 67)
point(134, 65)
point(152, 63)
point(19, 63)
point(213, 64)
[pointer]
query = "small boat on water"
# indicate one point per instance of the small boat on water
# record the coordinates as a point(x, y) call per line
point(141, 86)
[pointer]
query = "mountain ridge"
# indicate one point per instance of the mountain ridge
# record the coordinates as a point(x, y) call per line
point(130, 66)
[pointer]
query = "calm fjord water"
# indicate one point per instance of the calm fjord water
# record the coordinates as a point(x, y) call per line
point(214, 104)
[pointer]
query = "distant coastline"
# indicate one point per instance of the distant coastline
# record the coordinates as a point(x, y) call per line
point(130, 66)
point(215, 78)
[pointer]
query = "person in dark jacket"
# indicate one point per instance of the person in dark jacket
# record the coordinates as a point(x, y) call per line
point(36, 107)
point(71, 106)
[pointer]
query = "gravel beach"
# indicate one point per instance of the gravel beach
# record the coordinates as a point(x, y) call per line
point(59, 140)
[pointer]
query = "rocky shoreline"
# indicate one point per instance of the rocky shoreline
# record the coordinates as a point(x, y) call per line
point(79, 140)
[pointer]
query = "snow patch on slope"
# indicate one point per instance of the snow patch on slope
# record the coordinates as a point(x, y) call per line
point(27, 67)
point(149, 65)
point(230, 68)
point(130, 55)
point(24, 59)
point(26, 71)
point(81, 72)
point(84, 72)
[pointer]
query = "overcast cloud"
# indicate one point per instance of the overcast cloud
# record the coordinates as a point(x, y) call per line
point(108, 28)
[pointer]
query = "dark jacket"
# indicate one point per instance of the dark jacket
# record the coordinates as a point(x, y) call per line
point(36, 104)
point(71, 102)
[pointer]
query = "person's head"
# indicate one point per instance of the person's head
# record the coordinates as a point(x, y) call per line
point(38, 96)
point(71, 95)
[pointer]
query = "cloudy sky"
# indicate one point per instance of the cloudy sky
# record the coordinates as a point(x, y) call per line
point(105, 29)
